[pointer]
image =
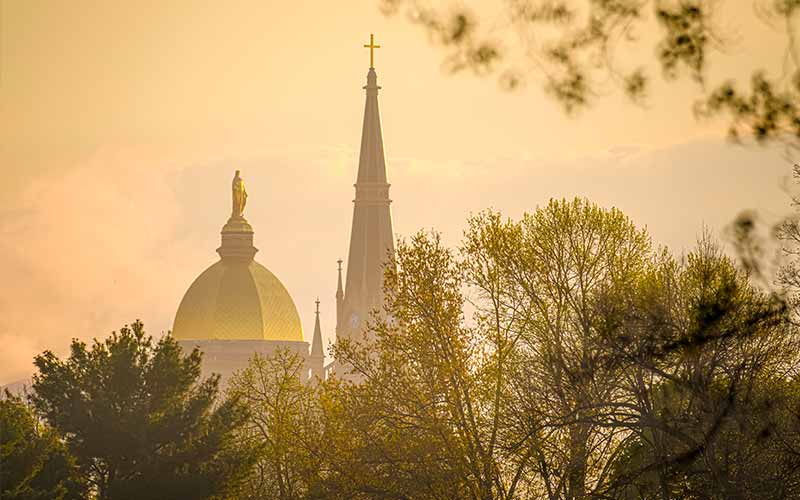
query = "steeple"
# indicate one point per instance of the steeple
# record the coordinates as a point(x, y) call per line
point(371, 236)
point(317, 358)
point(316, 342)
point(339, 297)
point(371, 163)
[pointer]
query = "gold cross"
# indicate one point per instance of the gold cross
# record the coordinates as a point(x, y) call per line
point(372, 48)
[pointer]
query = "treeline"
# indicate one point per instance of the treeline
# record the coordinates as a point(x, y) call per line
point(561, 356)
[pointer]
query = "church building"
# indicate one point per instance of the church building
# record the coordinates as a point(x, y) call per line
point(237, 307)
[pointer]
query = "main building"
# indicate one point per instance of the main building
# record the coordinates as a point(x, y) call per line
point(237, 307)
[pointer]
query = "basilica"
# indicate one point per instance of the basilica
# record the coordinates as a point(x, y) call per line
point(237, 307)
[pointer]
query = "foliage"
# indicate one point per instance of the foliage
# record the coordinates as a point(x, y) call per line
point(560, 356)
point(698, 345)
point(283, 423)
point(138, 420)
point(788, 234)
point(593, 367)
point(562, 260)
point(34, 463)
point(424, 417)
point(575, 46)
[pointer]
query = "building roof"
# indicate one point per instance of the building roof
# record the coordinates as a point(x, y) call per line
point(371, 236)
point(237, 298)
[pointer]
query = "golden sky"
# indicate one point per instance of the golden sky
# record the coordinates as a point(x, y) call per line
point(121, 124)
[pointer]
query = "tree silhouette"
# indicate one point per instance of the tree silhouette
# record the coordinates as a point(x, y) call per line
point(138, 419)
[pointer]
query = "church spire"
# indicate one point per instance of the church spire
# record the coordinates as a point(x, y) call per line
point(339, 297)
point(317, 358)
point(371, 237)
point(371, 163)
point(316, 342)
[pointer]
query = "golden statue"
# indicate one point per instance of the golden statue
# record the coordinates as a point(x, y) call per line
point(239, 196)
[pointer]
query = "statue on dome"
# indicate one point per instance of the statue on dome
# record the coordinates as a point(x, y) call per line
point(239, 196)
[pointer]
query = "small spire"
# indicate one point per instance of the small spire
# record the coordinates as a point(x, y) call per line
point(316, 341)
point(339, 298)
point(339, 290)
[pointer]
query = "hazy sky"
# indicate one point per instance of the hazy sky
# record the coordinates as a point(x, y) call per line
point(121, 124)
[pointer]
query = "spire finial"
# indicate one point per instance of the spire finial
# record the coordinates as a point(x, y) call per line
point(371, 48)
point(339, 290)
point(316, 344)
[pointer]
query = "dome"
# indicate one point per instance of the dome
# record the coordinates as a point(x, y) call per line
point(236, 300)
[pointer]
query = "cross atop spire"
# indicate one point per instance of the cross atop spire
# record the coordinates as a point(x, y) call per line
point(371, 236)
point(317, 353)
point(371, 48)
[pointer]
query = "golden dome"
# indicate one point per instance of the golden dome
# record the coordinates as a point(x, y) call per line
point(237, 299)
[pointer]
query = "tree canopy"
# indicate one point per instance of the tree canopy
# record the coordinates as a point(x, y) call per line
point(34, 463)
point(592, 366)
point(138, 419)
point(561, 356)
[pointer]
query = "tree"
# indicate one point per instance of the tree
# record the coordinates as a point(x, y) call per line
point(138, 420)
point(539, 279)
point(282, 424)
point(498, 407)
point(34, 462)
point(424, 421)
point(574, 45)
point(788, 234)
point(703, 351)
point(593, 366)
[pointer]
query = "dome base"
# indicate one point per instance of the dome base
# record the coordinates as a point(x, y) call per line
point(237, 240)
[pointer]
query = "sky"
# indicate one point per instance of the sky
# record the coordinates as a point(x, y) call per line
point(121, 124)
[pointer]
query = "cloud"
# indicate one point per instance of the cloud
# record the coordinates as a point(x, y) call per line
point(120, 235)
point(84, 251)
point(674, 190)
